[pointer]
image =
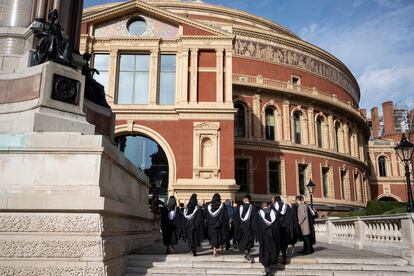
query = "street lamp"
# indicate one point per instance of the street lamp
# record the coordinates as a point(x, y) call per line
point(405, 152)
point(311, 188)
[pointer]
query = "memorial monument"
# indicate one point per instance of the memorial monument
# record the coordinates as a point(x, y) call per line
point(70, 202)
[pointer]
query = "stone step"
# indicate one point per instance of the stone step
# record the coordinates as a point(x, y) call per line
point(233, 271)
point(248, 266)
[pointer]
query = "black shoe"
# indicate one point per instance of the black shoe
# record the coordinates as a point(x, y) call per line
point(305, 252)
point(168, 250)
point(284, 261)
point(194, 253)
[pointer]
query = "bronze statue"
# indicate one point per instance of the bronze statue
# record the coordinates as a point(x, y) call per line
point(51, 45)
point(94, 91)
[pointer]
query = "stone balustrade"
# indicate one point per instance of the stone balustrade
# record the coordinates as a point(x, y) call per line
point(301, 90)
point(388, 234)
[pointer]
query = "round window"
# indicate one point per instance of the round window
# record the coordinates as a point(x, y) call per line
point(137, 25)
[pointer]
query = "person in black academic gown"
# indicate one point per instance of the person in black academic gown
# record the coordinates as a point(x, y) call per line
point(266, 233)
point(285, 226)
point(171, 224)
point(217, 223)
point(193, 224)
point(244, 224)
point(296, 231)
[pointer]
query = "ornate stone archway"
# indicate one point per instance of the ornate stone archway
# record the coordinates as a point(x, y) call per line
point(139, 129)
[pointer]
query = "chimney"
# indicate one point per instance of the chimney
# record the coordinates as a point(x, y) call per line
point(388, 115)
point(363, 112)
point(375, 122)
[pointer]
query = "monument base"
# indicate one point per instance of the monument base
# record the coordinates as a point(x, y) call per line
point(70, 204)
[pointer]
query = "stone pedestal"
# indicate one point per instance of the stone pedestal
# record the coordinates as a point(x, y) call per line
point(70, 204)
point(30, 100)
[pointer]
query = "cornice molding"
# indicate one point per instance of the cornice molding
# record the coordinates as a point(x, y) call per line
point(112, 11)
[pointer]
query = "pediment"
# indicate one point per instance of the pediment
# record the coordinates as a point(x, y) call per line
point(206, 126)
point(159, 19)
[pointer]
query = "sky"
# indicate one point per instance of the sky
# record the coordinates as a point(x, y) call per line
point(374, 38)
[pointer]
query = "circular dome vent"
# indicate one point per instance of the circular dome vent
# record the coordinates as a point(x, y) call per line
point(136, 25)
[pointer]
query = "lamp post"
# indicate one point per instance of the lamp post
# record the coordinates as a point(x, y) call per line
point(405, 151)
point(311, 188)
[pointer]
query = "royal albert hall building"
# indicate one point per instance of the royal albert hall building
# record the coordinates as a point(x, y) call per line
point(211, 99)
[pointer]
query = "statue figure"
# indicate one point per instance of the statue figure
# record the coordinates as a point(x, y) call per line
point(51, 45)
point(94, 91)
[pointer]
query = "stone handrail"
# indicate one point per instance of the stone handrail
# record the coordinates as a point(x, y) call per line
point(259, 81)
point(388, 234)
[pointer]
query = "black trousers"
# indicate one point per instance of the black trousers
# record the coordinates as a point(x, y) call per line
point(307, 245)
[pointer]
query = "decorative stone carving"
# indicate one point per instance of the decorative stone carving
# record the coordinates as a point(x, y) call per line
point(61, 270)
point(48, 223)
point(281, 55)
point(50, 248)
point(118, 28)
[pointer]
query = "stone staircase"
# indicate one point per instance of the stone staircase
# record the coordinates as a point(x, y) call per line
point(327, 260)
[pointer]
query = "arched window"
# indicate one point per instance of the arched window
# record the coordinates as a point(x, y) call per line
point(297, 132)
point(382, 166)
point(270, 123)
point(148, 155)
point(240, 121)
point(337, 127)
point(206, 152)
point(319, 132)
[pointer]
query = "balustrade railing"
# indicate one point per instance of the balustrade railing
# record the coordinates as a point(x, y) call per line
point(392, 234)
point(288, 86)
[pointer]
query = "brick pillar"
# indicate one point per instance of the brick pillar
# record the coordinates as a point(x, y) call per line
point(388, 114)
point(375, 122)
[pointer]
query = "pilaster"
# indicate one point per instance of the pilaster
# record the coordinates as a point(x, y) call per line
point(113, 65)
point(219, 75)
point(228, 89)
point(331, 133)
point(154, 58)
point(184, 76)
point(286, 121)
point(311, 126)
point(194, 77)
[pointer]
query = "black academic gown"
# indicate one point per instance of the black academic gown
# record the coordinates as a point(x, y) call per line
point(194, 227)
point(172, 229)
point(244, 227)
point(285, 226)
point(218, 225)
point(266, 233)
point(296, 230)
point(311, 218)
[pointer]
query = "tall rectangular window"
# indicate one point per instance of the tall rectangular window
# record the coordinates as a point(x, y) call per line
point(325, 180)
point(343, 175)
point(302, 178)
point(167, 79)
point(133, 83)
point(242, 174)
point(274, 177)
point(101, 63)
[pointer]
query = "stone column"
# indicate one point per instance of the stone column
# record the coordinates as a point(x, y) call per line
point(347, 141)
point(286, 120)
point(228, 89)
point(41, 8)
point(184, 76)
point(194, 75)
point(331, 132)
point(359, 233)
point(178, 69)
point(311, 126)
point(113, 75)
point(153, 91)
point(219, 75)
